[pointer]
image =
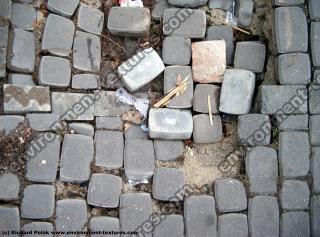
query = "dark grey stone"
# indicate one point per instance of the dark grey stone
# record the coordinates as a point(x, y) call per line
point(43, 122)
point(40, 229)
point(230, 195)
point(23, 16)
point(250, 55)
point(243, 12)
point(295, 224)
point(262, 170)
point(82, 129)
point(288, 2)
point(9, 187)
point(21, 79)
point(314, 130)
point(232, 224)
point(315, 216)
point(293, 122)
point(200, 98)
point(5, 9)
point(314, 5)
point(171, 74)
point(315, 169)
point(135, 132)
point(254, 129)
point(158, 10)
point(204, 132)
point(294, 154)
point(188, 3)
point(109, 149)
point(167, 182)
point(200, 216)
point(38, 201)
point(9, 218)
point(110, 123)
point(8, 123)
point(168, 150)
point(63, 7)
point(42, 165)
point(176, 50)
point(294, 195)
point(315, 43)
point(291, 30)
point(85, 81)
point(171, 225)
point(263, 216)
point(90, 19)
point(104, 223)
point(76, 157)
point(220, 4)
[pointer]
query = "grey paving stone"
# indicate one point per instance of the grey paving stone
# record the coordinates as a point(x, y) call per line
point(314, 98)
point(283, 99)
point(200, 98)
point(230, 195)
point(262, 170)
point(9, 220)
point(294, 195)
point(315, 169)
point(176, 50)
point(188, 3)
point(171, 225)
point(86, 52)
point(250, 55)
point(85, 81)
point(9, 122)
point(82, 129)
point(167, 182)
point(3, 62)
point(137, 167)
point(76, 156)
point(314, 128)
point(168, 150)
point(90, 19)
point(254, 129)
point(55, 27)
point(315, 45)
point(21, 79)
point(158, 10)
point(109, 149)
point(263, 216)
point(237, 91)
point(110, 123)
point(313, 6)
point(170, 124)
point(294, 69)
point(232, 224)
point(5, 9)
point(43, 122)
point(293, 122)
point(42, 165)
point(23, 99)
point(106, 224)
point(71, 215)
point(135, 209)
point(315, 216)
point(204, 132)
point(171, 74)
point(243, 12)
point(4, 33)
point(21, 51)
point(73, 106)
point(63, 7)
point(40, 229)
point(220, 4)
point(9, 187)
point(294, 154)
point(38, 201)
point(23, 16)
point(200, 216)
point(104, 190)
point(295, 224)
point(147, 61)
point(129, 22)
point(184, 22)
point(222, 33)
point(288, 2)
point(54, 72)
point(106, 104)
point(291, 30)
point(135, 132)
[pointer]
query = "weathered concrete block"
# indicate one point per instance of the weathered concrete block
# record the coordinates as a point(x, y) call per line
point(185, 22)
point(129, 21)
point(9, 187)
point(254, 129)
point(262, 170)
point(21, 51)
point(237, 91)
point(141, 69)
point(38, 201)
point(39, 227)
point(294, 154)
point(43, 122)
point(104, 223)
point(231, 224)
point(313, 6)
point(263, 215)
point(135, 132)
point(168, 150)
point(171, 225)
point(315, 215)
point(22, 99)
point(85, 81)
point(315, 169)
point(167, 182)
point(205, 67)
point(63, 7)
point(204, 132)
point(315, 45)
point(188, 3)
point(106, 104)
point(86, 52)
point(293, 122)
point(314, 128)
point(9, 217)
point(171, 74)
point(200, 216)
point(294, 224)
point(176, 50)
point(243, 12)
point(220, 4)
point(21, 79)
point(54, 28)
point(76, 157)
point(90, 19)
point(200, 98)
point(8, 123)
point(23, 16)
point(110, 123)
point(158, 10)
point(283, 99)
point(170, 124)
point(82, 129)
point(250, 55)
point(291, 30)
point(294, 195)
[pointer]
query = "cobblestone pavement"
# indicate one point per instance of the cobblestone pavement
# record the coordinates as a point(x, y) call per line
point(81, 157)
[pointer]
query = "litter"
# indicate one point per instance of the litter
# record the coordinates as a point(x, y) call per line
point(131, 3)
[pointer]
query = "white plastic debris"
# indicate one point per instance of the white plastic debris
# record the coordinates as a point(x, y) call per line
point(230, 16)
point(131, 3)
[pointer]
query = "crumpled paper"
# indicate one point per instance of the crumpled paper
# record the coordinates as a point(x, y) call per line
point(131, 3)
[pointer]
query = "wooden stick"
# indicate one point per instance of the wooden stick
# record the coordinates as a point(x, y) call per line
point(237, 28)
point(210, 111)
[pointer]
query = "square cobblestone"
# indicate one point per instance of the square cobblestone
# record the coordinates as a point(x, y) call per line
point(220, 4)
point(9, 218)
point(200, 98)
point(110, 123)
point(168, 150)
point(85, 81)
point(135, 132)
point(314, 130)
point(294, 195)
point(231, 224)
point(315, 45)
point(313, 6)
point(90, 19)
point(40, 229)
point(23, 16)
point(171, 225)
point(9, 123)
point(315, 216)
point(43, 122)
point(104, 223)
point(314, 98)
point(204, 132)
point(21, 79)
point(315, 169)
point(63, 7)
point(5, 9)
point(176, 51)
point(295, 224)
point(243, 12)
point(9, 187)
point(288, 2)
point(82, 129)
point(293, 122)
